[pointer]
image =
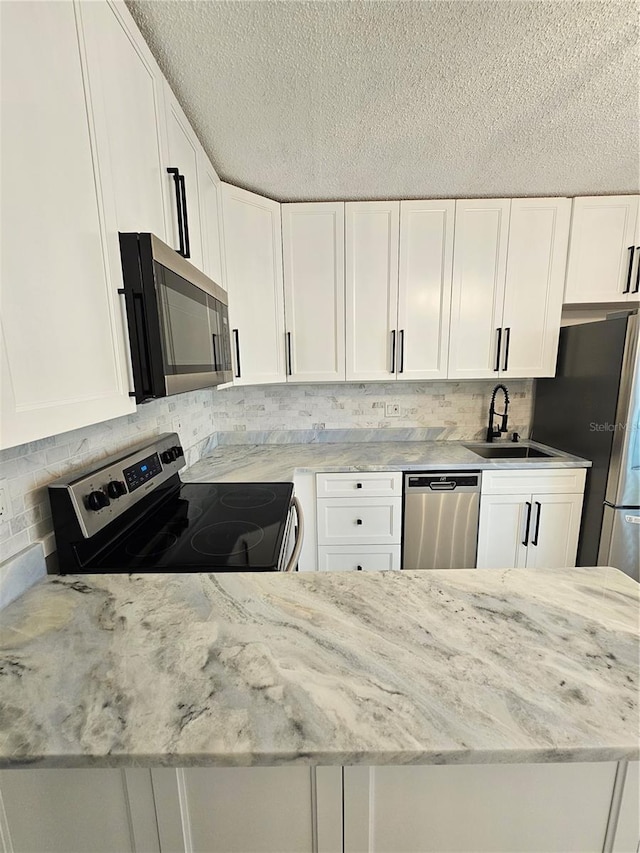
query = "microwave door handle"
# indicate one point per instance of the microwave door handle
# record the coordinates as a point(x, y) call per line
point(176, 180)
point(293, 559)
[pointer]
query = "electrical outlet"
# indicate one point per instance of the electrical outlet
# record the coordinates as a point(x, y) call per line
point(392, 410)
point(5, 506)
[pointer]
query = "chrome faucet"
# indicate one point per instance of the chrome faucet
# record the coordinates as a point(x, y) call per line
point(494, 431)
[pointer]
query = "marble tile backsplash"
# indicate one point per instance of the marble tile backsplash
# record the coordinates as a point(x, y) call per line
point(28, 469)
point(457, 410)
point(449, 410)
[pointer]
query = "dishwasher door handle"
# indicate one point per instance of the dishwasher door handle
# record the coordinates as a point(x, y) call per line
point(446, 486)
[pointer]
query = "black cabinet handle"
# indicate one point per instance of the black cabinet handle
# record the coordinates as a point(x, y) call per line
point(358, 521)
point(358, 485)
point(289, 364)
point(507, 340)
point(236, 338)
point(401, 365)
point(393, 351)
point(183, 195)
point(525, 541)
point(176, 180)
point(359, 568)
point(631, 251)
point(636, 287)
point(498, 348)
point(534, 541)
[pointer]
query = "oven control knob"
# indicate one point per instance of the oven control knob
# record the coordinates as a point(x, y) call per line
point(116, 489)
point(97, 500)
point(177, 451)
point(167, 456)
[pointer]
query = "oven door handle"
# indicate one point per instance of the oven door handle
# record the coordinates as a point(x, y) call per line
point(295, 554)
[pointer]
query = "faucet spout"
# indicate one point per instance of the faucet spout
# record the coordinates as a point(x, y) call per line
point(494, 431)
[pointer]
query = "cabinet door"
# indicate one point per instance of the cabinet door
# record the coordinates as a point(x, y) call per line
point(555, 526)
point(501, 531)
point(253, 259)
point(313, 255)
point(372, 237)
point(558, 808)
point(90, 810)
point(479, 266)
point(240, 809)
point(63, 357)
point(210, 193)
point(182, 154)
point(536, 261)
point(603, 233)
point(424, 288)
point(126, 96)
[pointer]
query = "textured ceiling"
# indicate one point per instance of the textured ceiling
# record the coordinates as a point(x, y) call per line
point(361, 99)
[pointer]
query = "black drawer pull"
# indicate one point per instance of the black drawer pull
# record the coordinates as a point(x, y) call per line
point(358, 485)
point(358, 521)
point(359, 568)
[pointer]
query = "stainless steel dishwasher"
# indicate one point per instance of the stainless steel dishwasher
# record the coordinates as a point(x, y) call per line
point(440, 520)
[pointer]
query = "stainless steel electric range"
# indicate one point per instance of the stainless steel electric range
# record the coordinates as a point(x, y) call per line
point(132, 513)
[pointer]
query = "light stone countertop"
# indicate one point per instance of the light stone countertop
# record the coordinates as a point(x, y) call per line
point(279, 462)
point(468, 666)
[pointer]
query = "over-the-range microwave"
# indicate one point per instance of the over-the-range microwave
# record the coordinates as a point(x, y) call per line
point(177, 319)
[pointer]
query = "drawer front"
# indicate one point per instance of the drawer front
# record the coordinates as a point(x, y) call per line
point(359, 521)
point(365, 558)
point(378, 484)
point(548, 481)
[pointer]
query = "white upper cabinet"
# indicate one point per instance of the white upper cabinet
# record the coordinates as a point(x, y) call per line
point(182, 186)
point(536, 261)
point(125, 86)
point(64, 363)
point(210, 193)
point(479, 268)
point(424, 291)
point(313, 256)
point(253, 261)
point(508, 278)
point(604, 250)
point(372, 239)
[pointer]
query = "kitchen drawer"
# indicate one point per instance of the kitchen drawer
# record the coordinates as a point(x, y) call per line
point(351, 558)
point(354, 521)
point(371, 484)
point(548, 481)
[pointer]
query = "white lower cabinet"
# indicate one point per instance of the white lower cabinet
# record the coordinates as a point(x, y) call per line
point(77, 811)
point(514, 808)
point(530, 518)
point(293, 809)
point(359, 521)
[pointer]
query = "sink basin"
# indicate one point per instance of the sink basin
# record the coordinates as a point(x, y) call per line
point(503, 451)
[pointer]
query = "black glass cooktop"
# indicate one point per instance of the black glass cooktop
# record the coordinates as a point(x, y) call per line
point(206, 527)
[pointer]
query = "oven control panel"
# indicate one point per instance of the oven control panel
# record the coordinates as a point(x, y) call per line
point(101, 495)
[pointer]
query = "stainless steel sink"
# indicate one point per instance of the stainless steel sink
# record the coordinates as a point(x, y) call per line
point(508, 451)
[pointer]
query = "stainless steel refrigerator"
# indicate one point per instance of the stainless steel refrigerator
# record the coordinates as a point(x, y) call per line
point(592, 408)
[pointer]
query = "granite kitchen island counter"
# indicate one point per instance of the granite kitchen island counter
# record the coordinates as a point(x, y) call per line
point(435, 667)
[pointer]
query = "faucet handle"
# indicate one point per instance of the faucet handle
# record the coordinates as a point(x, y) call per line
point(515, 436)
